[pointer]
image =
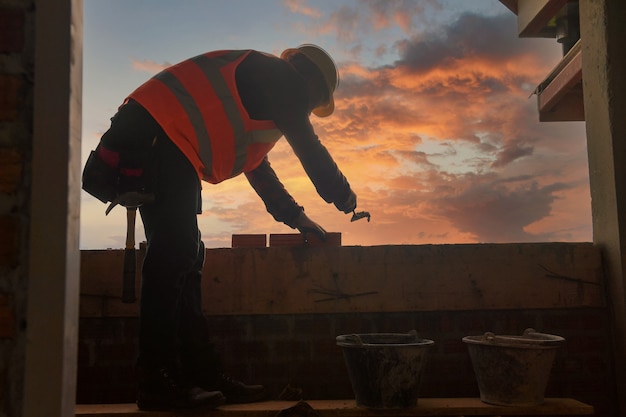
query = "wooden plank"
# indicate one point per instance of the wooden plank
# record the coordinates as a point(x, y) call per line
point(564, 82)
point(298, 239)
point(533, 17)
point(303, 280)
point(104, 269)
point(348, 408)
point(249, 241)
point(402, 278)
point(101, 283)
point(570, 108)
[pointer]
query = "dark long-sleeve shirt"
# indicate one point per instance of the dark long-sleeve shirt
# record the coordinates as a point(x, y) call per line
point(270, 88)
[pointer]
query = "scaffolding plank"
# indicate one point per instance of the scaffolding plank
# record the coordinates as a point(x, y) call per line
point(348, 408)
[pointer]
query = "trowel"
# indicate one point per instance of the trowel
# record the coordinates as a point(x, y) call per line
point(358, 216)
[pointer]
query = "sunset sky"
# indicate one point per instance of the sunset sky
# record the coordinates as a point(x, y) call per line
point(436, 125)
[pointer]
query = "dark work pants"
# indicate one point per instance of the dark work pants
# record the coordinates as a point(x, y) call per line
point(173, 329)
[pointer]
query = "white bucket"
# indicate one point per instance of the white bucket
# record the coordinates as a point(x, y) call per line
point(513, 370)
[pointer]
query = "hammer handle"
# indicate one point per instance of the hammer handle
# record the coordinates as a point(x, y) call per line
point(128, 283)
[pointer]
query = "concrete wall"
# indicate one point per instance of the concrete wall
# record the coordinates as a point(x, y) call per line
point(277, 326)
point(604, 64)
point(40, 120)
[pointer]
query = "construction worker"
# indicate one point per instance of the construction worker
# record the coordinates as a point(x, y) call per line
point(211, 118)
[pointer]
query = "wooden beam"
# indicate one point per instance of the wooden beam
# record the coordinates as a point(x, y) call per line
point(393, 278)
point(299, 239)
point(571, 108)
point(562, 98)
point(533, 17)
point(348, 408)
point(510, 4)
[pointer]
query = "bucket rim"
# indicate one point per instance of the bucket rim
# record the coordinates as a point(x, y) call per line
point(355, 340)
point(530, 339)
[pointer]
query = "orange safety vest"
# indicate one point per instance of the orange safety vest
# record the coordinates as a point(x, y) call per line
point(197, 104)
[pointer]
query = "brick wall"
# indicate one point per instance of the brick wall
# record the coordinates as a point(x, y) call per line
point(300, 351)
point(16, 95)
point(293, 343)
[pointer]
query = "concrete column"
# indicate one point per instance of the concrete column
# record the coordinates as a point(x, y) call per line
point(603, 34)
point(54, 255)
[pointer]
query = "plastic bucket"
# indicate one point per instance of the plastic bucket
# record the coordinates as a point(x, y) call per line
point(385, 368)
point(513, 370)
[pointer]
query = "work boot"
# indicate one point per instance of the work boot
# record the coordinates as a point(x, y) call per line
point(236, 392)
point(161, 390)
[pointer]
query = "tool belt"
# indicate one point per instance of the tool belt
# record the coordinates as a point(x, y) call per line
point(125, 178)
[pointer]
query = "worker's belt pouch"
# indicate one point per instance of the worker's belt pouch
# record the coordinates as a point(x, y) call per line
point(136, 172)
point(99, 179)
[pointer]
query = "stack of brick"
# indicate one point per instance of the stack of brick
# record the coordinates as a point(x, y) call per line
point(285, 239)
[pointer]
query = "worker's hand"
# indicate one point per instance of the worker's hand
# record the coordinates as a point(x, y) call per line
point(348, 204)
point(306, 225)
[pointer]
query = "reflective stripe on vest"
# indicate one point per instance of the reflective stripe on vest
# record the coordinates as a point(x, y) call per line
point(197, 104)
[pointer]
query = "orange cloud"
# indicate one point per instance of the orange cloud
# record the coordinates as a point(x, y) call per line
point(489, 180)
point(301, 7)
point(148, 66)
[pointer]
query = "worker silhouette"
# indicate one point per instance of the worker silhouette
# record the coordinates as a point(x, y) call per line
point(208, 118)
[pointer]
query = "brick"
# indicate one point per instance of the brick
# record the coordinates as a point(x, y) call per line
point(594, 321)
point(286, 239)
point(426, 324)
point(7, 318)
point(10, 170)
point(348, 324)
point(131, 328)
point(329, 351)
point(297, 239)
point(451, 346)
point(472, 323)
point(249, 241)
point(9, 240)
point(116, 352)
point(289, 352)
point(10, 86)
point(399, 323)
point(98, 329)
point(227, 327)
point(84, 354)
point(313, 327)
point(447, 323)
point(11, 30)
point(96, 376)
point(272, 327)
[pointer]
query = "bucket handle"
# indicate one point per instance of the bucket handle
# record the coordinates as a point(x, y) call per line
point(549, 339)
point(359, 341)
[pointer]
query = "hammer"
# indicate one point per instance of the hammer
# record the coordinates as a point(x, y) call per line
point(128, 284)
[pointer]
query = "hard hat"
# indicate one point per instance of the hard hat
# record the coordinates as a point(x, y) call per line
point(327, 66)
